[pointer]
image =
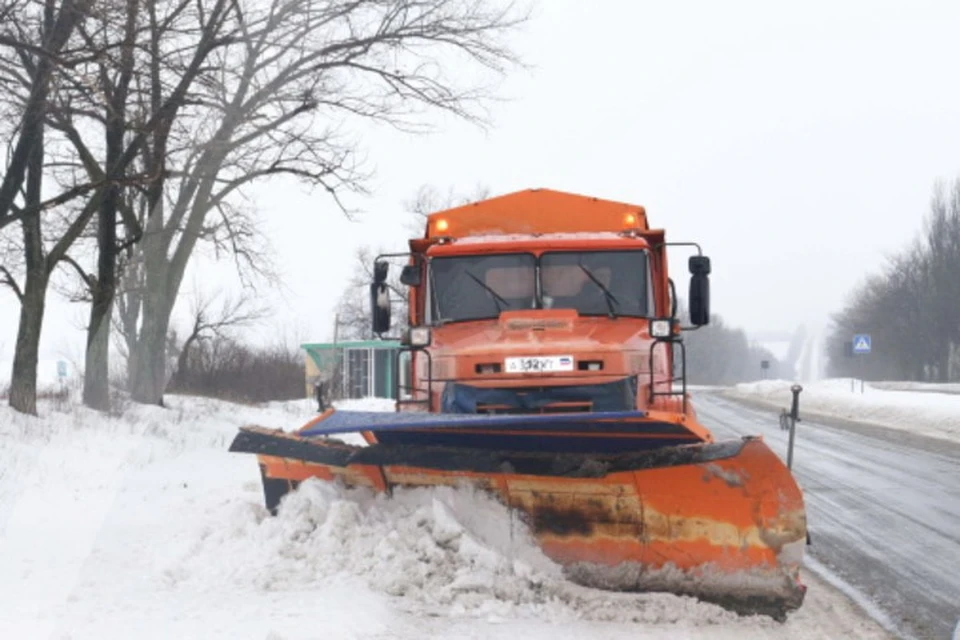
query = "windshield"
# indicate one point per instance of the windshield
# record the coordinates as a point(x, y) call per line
point(610, 283)
point(475, 287)
point(595, 282)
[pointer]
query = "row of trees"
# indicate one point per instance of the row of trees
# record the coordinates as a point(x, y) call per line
point(719, 354)
point(135, 129)
point(911, 308)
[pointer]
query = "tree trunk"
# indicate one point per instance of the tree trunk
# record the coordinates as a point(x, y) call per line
point(96, 378)
point(183, 361)
point(149, 350)
point(149, 380)
point(96, 383)
point(23, 385)
point(943, 367)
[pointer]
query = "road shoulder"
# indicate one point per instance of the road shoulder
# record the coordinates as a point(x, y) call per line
point(895, 436)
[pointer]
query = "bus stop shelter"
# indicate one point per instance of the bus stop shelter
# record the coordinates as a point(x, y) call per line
point(351, 370)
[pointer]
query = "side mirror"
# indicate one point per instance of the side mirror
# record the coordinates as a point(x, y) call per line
point(380, 307)
point(380, 272)
point(410, 275)
point(699, 290)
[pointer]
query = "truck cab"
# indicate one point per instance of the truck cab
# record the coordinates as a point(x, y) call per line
point(540, 302)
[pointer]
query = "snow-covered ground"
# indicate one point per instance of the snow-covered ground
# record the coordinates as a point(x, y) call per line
point(935, 387)
point(920, 411)
point(143, 525)
point(49, 379)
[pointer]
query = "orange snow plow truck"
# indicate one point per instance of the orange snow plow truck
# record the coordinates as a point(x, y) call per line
point(544, 363)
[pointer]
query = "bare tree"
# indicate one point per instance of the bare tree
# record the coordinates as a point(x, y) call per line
point(40, 58)
point(301, 75)
point(89, 92)
point(211, 321)
point(36, 65)
point(136, 98)
point(942, 294)
point(116, 89)
point(194, 102)
point(722, 354)
point(353, 308)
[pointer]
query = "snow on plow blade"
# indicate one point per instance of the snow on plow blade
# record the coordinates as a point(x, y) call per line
point(724, 522)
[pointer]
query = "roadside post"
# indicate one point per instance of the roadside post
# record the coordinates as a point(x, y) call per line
point(764, 365)
point(794, 419)
point(61, 380)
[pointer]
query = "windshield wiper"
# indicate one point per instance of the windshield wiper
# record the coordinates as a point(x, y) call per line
point(496, 296)
point(607, 296)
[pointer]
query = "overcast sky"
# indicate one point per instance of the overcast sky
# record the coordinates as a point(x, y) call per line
point(797, 145)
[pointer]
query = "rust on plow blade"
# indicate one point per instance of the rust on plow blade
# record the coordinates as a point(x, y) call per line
point(724, 522)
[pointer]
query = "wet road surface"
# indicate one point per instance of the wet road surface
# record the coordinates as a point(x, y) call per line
point(883, 515)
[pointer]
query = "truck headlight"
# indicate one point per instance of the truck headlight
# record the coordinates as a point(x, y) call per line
point(420, 336)
point(660, 328)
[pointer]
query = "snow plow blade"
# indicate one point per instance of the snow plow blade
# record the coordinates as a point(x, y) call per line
point(721, 521)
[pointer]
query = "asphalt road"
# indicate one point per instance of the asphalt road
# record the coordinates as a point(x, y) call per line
point(883, 515)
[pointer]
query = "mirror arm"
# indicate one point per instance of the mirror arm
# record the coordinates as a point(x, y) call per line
point(673, 298)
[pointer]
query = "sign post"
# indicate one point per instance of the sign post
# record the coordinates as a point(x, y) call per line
point(862, 345)
point(61, 377)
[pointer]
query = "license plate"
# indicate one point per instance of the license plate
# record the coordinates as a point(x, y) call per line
point(538, 363)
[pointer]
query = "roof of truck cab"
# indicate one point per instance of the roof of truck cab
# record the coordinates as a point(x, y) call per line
point(584, 241)
point(536, 211)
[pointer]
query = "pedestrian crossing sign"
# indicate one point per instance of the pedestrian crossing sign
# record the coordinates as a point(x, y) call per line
point(861, 343)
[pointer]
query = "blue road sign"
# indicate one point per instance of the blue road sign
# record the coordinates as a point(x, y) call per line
point(861, 343)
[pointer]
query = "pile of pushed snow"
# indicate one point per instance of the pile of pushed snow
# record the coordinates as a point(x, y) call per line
point(446, 552)
point(924, 412)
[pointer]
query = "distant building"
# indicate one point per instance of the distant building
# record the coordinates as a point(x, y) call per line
point(360, 369)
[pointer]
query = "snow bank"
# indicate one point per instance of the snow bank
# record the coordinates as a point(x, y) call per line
point(446, 552)
point(143, 525)
point(930, 387)
point(923, 412)
point(366, 404)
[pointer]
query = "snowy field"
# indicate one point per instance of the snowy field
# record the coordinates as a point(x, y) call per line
point(906, 406)
point(144, 526)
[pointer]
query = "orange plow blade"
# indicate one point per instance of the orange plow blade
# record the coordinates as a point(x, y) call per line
point(724, 522)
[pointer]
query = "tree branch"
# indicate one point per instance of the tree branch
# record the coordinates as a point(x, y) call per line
point(9, 280)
